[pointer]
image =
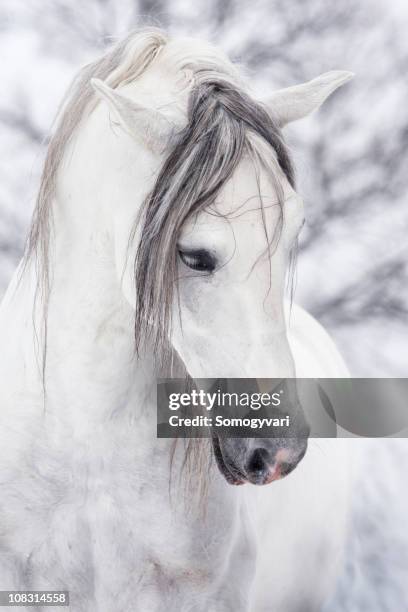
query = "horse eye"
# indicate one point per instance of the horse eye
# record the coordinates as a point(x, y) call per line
point(199, 260)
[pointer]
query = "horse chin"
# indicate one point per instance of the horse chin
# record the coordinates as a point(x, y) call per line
point(231, 474)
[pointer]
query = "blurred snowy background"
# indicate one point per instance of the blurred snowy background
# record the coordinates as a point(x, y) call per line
point(351, 156)
point(352, 167)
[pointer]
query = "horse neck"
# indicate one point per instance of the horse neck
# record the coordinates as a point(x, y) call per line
point(91, 371)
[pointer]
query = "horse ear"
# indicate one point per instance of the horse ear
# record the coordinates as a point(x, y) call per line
point(296, 102)
point(144, 123)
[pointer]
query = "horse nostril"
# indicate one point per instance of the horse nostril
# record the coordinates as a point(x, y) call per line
point(259, 462)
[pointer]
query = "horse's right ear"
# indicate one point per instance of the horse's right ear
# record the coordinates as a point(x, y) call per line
point(296, 102)
point(141, 122)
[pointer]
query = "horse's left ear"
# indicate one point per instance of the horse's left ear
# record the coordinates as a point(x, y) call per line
point(296, 102)
point(143, 123)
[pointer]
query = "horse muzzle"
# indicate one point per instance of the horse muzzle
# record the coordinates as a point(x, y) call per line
point(240, 462)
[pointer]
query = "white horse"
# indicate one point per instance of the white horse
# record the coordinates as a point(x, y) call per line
point(164, 171)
